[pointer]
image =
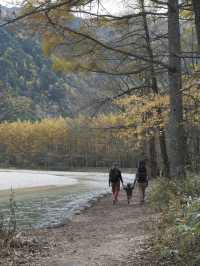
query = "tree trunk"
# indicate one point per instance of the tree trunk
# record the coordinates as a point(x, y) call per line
point(152, 158)
point(154, 86)
point(196, 9)
point(164, 155)
point(176, 128)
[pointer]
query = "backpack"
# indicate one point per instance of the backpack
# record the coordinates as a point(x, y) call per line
point(142, 175)
point(114, 175)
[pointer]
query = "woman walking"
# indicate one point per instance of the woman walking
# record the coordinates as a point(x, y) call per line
point(142, 179)
point(114, 180)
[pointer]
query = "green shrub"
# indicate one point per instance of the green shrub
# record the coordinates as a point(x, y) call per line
point(162, 192)
point(177, 234)
point(189, 186)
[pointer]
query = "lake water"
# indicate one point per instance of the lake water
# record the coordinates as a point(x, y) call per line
point(47, 198)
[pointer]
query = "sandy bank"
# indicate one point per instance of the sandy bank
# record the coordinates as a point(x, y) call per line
point(103, 235)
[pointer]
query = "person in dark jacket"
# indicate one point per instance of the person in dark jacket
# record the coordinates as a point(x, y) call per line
point(115, 177)
point(142, 179)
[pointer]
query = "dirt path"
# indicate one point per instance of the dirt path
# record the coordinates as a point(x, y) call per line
point(102, 235)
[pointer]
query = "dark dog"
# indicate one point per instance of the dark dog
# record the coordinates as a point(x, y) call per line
point(129, 191)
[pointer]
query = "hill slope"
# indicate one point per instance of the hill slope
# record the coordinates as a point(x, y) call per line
point(25, 72)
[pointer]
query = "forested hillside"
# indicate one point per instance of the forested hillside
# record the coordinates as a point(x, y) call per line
point(26, 77)
point(30, 87)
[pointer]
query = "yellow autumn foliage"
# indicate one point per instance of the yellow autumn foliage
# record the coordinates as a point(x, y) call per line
point(60, 64)
point(50, 41)
point(61, 143)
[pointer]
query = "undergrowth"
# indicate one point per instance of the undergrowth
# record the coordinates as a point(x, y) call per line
point(17, 247)
point(177, 235)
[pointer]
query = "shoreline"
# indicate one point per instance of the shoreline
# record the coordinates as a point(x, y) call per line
point(64, 200)
point(99, 234)
point(80, 210)
point(84, 169)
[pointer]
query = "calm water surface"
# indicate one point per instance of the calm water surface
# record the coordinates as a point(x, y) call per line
point(45, 198)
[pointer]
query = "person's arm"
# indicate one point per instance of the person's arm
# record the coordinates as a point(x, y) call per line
point(136, 178)
point(109, 180)
point(120, 176)
point(134, 183)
